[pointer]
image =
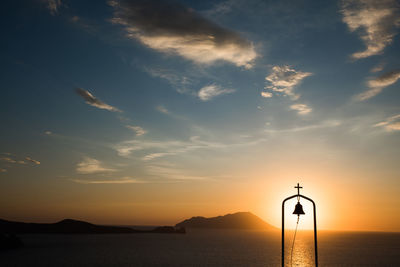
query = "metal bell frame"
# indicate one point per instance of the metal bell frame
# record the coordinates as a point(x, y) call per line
point(283, 224)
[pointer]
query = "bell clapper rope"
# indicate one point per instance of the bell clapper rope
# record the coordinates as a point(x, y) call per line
point(294, 238)
point(298, 211)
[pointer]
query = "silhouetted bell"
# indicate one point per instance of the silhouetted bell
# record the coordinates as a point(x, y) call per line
point(298, 209)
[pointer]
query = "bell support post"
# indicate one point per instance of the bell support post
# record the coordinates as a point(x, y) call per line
point(283, 227)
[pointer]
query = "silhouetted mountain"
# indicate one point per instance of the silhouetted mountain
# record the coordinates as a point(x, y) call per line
point(69, 226)
point(239, 220)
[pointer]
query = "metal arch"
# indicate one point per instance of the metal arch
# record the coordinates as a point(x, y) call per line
point(283, 228)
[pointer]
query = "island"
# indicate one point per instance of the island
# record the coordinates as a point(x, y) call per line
point(239, 220)
point(70, 226)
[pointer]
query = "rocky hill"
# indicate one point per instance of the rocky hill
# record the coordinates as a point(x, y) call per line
point(239, 220)
point(69, 226)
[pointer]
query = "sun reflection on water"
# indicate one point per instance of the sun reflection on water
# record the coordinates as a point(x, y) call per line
point(303, 251)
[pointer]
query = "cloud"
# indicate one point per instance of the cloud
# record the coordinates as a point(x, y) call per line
point(171, 172)
point(301, 109)
point(32, 160)
point(378, 84)
point(385, 79)
point(159, 155)
point(90, 165)
point(283, 79)
point(139, 131)
point(85, 24)
point(369, 93)
point(158, 149)
point(14, 160)
point(222, 8)
point(375, 21)
point(395, 126)
point(123, 180)
point(48, 133)
point(175, 29)
point(93, 101)
point(324, 124)
point(266, 94)
point(2, 170)
point(9, 160)
point(172, 147)
point(210, 91)
point(162, 109)
point(53, 6)
point(177, 80)
point(378, 67)
point(390, 124)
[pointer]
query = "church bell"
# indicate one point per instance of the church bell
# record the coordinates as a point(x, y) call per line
point(298, 209)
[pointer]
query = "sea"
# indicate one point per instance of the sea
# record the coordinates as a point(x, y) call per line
point(206, 248)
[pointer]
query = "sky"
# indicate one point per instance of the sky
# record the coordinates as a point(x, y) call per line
point(151, 112)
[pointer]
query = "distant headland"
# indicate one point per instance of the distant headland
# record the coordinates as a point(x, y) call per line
point(69, 226)
point(239, 220)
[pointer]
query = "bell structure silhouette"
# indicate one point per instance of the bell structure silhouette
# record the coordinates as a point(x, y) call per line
point(298, 210)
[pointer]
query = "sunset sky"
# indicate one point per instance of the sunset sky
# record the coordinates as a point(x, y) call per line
point(150, 112)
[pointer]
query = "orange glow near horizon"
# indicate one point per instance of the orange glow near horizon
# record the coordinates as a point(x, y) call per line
point(152, 112)
point(344, 197)
point(338, 207)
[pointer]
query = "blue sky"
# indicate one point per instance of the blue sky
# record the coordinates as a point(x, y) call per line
point(172, 95)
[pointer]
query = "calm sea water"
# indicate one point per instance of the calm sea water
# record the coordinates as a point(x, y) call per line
point(205, 248)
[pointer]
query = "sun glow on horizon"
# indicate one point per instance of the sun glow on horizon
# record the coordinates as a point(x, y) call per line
point(152, 112)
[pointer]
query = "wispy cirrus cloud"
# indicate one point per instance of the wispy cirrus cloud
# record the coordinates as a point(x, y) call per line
point(210, 91)
point(13, 159)
point(84, 24)
point(8, 160)
point(53, 6)
point(123, 180)
point(221, 8)
point(95, 102)
point(172, 172)
point(162, 109)
point(321, 125)
point(375, 21)
point(158, 149)
point(178, 80)
point(172, 28)
point(379, 67)
point(284, 79)
point(390, 124)
point(90, 165)
point(164, 147)
point(152, 156)
point(139, 131)
point(32, 160)
point(301, 109)
point(385, 80)
point(376, 85)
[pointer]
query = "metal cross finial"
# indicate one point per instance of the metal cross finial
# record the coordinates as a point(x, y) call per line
point(298, 188)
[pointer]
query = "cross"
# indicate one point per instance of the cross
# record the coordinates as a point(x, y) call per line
point(298, 188)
